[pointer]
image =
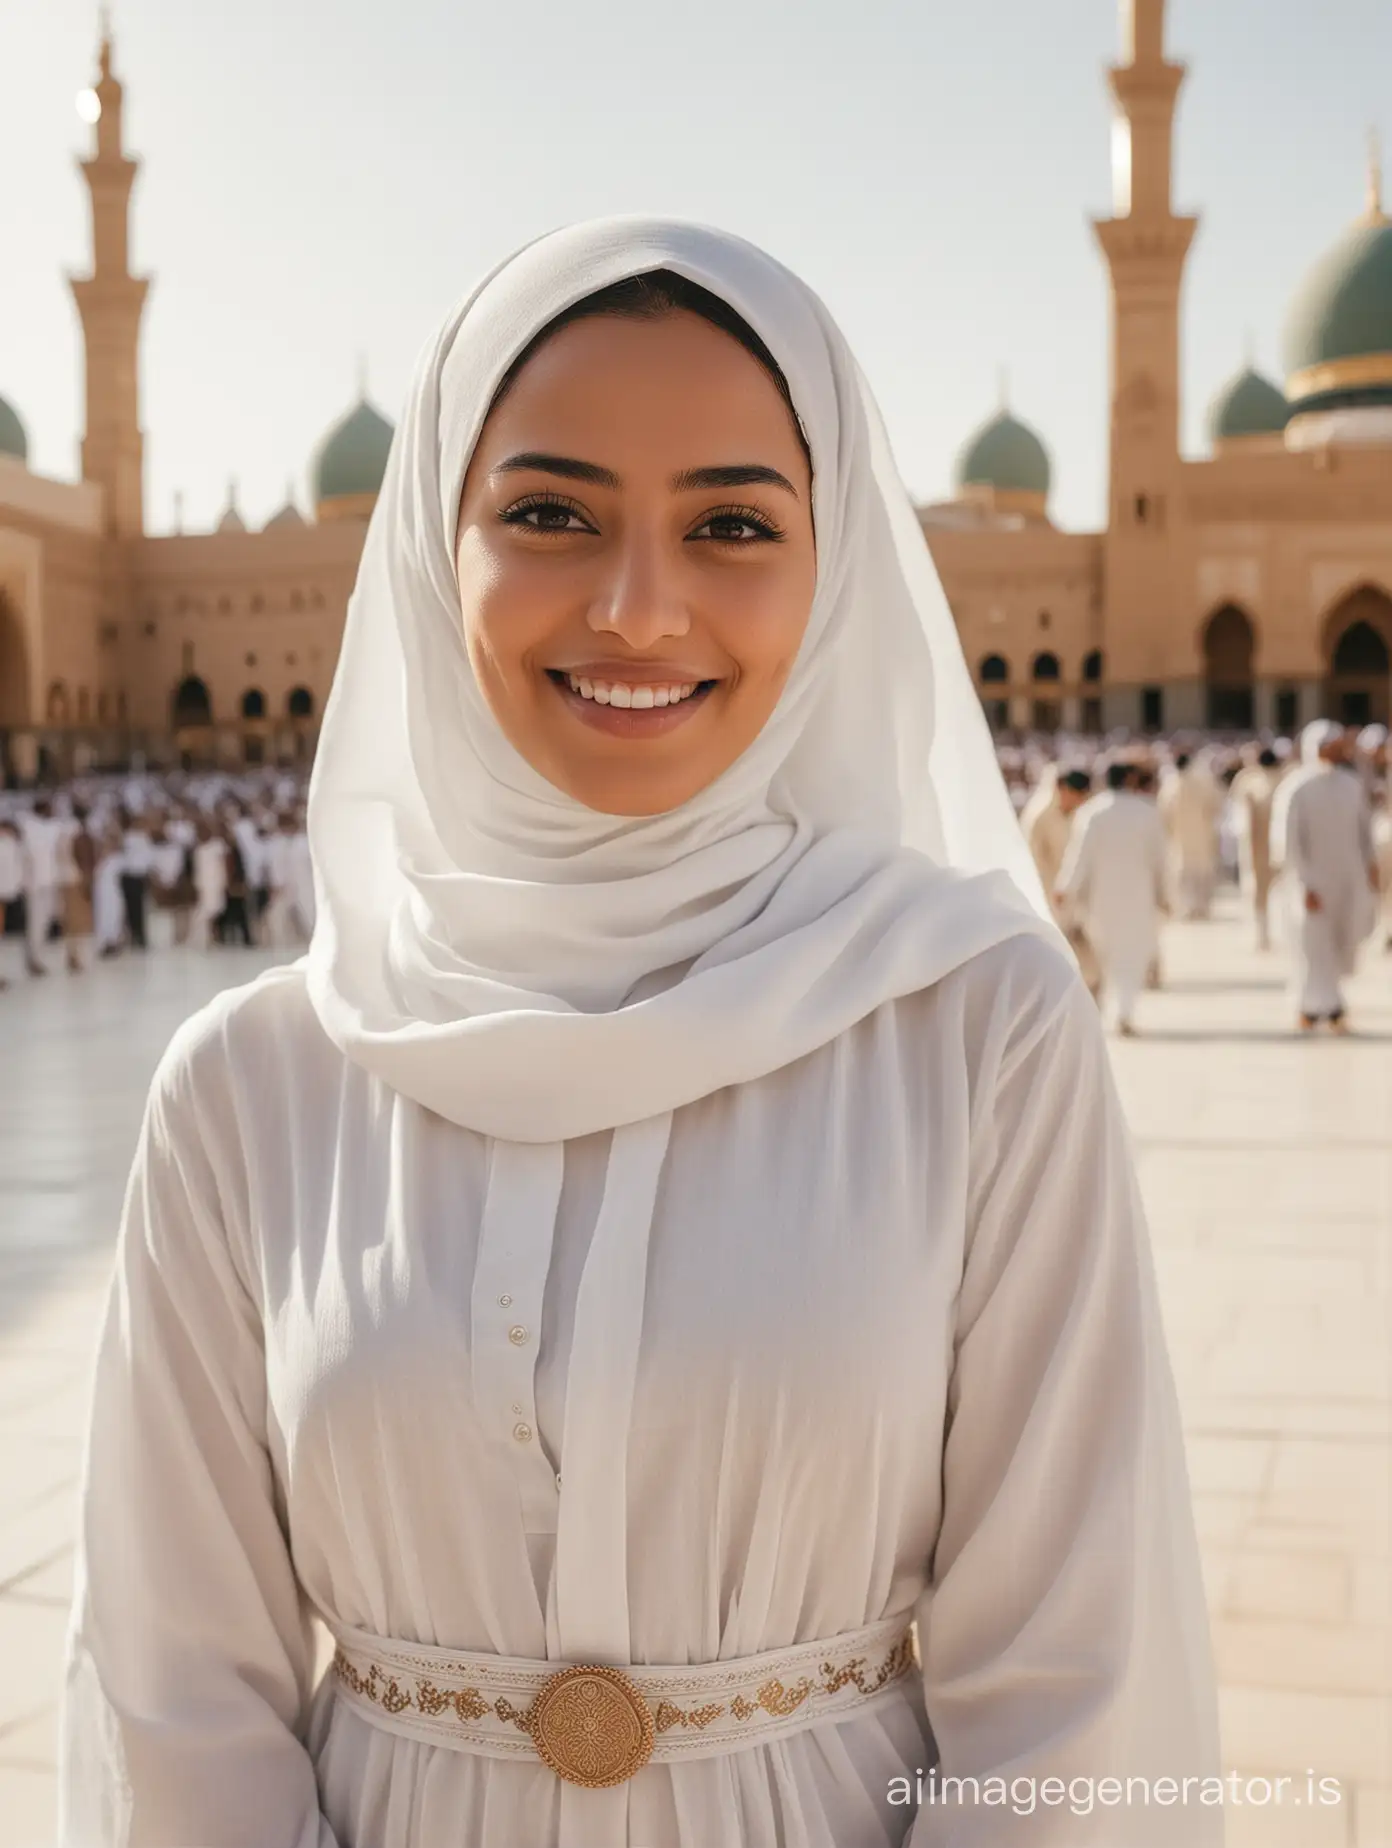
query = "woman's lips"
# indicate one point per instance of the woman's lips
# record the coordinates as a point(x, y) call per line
point(630, 721)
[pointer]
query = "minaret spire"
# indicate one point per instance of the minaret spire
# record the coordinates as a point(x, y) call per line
point(111, 301)
point(1145, 245)
point(1375, 213)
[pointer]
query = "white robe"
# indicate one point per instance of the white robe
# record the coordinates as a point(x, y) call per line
point(1382, 850)
point(1322, 834)
point(108, 903)
point(1047, 829)
point(210, 878)
point(1190, 805)
point(901, 1353)
point(1114, 875)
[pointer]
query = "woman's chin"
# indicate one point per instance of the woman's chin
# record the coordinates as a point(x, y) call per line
point(629, 799)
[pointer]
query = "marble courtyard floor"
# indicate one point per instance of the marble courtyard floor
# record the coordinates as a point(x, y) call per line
point(1267, 1168)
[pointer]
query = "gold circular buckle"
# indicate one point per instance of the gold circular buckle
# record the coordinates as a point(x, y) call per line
point(592, 1726)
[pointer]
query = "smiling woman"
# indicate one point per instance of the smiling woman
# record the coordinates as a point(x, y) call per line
point(640, 607)
point(662, 1283)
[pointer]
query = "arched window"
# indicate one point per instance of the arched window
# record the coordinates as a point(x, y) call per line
point(57, 703)
point(316, 599)
point(103, 706)
point(994, 670)
point(253, 703)
point(300, 704)
point(257, 604)
point(84, 705)
point(297, 599)
point(191, 703)
point(1092, 666)
point(1045, 667)
point(224, 606)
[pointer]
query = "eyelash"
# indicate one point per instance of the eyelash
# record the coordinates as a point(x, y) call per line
point(750, 516)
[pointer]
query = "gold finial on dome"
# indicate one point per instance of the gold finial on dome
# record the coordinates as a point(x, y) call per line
point(1375, 215)
point(1003, 386)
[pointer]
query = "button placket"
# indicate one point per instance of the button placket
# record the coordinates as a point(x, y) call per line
point(514, 1255)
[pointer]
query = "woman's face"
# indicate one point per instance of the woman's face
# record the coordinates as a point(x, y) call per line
point(635, 558)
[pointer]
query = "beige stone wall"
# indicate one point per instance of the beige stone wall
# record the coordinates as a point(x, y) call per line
point(1019, 595)
point(240, 611)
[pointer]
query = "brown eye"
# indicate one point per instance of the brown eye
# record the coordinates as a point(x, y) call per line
point(546, 507)
point(758, 527)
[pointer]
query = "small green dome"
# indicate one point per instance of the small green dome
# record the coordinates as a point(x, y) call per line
point(14, 440)
point(1004, 454)
point(352, 458)
point(1343, 310)
point(1248, 405)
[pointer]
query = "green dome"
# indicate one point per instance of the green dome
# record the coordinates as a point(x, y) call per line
point(352, 458)
point(1248, 405)
point(1343, 311)
point(13, 440)
point(1004, 454)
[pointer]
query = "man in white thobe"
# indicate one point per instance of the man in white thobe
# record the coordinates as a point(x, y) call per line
point(1191, 803)
point(42, 834)
point(1113, 878)
point(1047, 822)
point(1253, 790)
point(1321, 831)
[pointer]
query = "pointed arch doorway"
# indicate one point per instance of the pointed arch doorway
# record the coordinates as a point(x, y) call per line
point(1358, 658)
point(1229, 649)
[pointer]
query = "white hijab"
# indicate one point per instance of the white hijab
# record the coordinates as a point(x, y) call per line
point(536, 970)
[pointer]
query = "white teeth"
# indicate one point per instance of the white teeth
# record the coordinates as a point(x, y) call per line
point(641, 698)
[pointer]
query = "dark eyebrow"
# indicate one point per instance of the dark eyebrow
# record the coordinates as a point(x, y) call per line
point(727, 475)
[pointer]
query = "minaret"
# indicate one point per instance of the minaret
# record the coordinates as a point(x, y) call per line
point(110, 302)
point(1145, 245)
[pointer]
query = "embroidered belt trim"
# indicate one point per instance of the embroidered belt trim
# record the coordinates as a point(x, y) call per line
point(596, 1724)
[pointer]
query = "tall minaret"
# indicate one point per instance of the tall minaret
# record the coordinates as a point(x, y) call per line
point(110, 302)
point(1145, 245)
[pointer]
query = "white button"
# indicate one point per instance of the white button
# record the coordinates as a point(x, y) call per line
point(518, 1335)
point(518, 1408)
point(523, 1433)
point(558, 1482)
point(505, 1300)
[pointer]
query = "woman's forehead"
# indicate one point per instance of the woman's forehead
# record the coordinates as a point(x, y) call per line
point(622, 382)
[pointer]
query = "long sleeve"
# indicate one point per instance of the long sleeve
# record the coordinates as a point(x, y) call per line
point(1063, 1634)
point(190, 1650)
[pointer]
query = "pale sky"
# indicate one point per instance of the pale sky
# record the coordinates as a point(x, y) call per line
point(324, 178)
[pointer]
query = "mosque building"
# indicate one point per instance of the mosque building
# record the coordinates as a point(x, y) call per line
point(1249, 589)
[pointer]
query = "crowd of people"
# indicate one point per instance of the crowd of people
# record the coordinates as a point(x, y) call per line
point(1124, 835)
point(106, 865)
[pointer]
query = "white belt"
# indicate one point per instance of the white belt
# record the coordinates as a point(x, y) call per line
point(595, 1724)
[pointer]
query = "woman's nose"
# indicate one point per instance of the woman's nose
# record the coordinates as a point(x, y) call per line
point(641, 601)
